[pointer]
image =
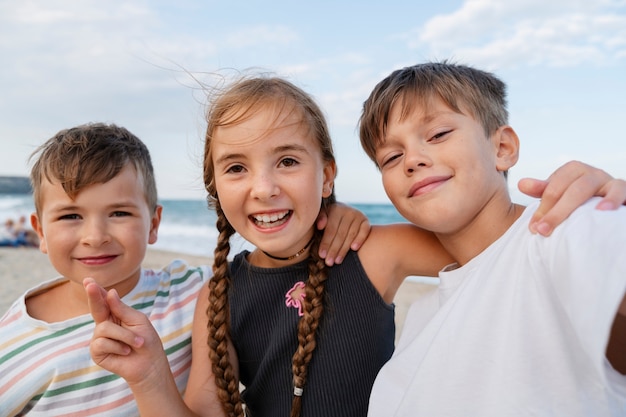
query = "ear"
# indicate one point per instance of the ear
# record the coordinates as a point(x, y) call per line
point(507, 148)
point(38, 228)
point(330, 172)
point(155, 221)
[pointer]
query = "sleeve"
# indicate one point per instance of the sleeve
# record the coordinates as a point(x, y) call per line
point(586, 260)
point(206, 271)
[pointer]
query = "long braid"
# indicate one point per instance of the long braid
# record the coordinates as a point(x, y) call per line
point(218, 322)
point(309, 322)
point(237, 104)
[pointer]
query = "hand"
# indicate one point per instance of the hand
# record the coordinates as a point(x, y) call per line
point(344, 228)
point(124, 341)
point(567, 189)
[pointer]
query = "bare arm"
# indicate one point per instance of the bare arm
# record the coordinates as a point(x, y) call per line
point(201, 394)
point(617, 341)
point(393, 252)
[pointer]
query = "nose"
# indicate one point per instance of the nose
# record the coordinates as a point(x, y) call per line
point(264, 186)
point(414, 159)
point(95, 232)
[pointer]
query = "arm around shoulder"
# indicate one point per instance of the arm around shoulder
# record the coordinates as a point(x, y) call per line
point(395, 251)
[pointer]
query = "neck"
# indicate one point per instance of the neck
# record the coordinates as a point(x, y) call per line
point(468, 242)
point(294, 256)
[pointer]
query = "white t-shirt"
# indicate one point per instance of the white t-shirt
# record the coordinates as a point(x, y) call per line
point(520, 330)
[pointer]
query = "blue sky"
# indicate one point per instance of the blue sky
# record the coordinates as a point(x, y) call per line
point(66, 62)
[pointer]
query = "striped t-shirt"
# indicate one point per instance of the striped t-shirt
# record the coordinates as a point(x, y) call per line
point(46, 368)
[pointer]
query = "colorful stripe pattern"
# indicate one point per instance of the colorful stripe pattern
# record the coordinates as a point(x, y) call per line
point(46, 369)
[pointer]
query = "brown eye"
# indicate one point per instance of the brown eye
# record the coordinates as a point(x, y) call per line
point(235, 169)
point(288, 162)
point(120, 214)
point(440, 136)
point(391, 159)
point(69, 217)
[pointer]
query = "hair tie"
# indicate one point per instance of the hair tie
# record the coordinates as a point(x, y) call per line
point(297, 391)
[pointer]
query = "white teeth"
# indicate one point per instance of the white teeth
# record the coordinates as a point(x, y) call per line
point(267, 218)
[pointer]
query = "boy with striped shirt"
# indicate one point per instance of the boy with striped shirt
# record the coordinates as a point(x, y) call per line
point(96, 212)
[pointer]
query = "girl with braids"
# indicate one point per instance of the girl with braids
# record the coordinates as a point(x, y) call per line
point(308, 339)
point(302, 338)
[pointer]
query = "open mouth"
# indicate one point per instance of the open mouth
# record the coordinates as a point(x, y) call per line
point(271, 220)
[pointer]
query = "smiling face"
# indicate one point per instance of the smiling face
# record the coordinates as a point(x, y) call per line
point(270, 178)
point(102, 233)
point(440, 170)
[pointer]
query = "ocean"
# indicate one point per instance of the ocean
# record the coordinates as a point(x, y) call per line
point(188, 226)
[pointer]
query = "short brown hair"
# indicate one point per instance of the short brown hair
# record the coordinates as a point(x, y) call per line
point(480, 93)
point(90, 154)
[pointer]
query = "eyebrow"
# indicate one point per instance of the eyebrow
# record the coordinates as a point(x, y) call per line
point(430, 116)
point(74, 207)
point(290, 147)
point(279, 149)
point(228, 157)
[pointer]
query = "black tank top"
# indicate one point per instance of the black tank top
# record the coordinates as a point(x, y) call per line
point(355, 338)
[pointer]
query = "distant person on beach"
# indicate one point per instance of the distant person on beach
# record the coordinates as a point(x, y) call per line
point(17, 234)
point(303, 338)
point(96, 212)
point(520, 325)
point(25, 234)
point(8, 236)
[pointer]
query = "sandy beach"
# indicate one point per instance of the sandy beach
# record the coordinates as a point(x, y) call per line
point(23, 268)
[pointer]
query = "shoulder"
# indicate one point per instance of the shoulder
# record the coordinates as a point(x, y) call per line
point(238, 262)
point(581, 258)
point(393, 252)
point(405, 237)
point(179, 270)
point(591, 226)
point(34, 301)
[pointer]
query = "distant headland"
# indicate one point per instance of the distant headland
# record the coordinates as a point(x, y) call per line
point(14, 185)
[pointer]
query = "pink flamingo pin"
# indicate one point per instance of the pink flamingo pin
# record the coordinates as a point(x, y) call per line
point(295, 296)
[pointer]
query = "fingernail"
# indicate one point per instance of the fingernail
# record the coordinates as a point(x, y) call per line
point(533, 227)
point(138, 341)
point(323, 254)
point(544, 229)
point(605, 205)
point(338, 259)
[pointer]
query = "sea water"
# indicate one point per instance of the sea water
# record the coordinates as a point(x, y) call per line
point(188, 226)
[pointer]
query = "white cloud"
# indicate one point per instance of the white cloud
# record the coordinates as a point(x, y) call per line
point(509, 34)
point(67, 62)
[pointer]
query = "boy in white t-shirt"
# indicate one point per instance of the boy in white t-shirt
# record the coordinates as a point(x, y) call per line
point(521, 324)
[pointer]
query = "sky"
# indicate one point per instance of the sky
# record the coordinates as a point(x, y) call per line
point(145, 65)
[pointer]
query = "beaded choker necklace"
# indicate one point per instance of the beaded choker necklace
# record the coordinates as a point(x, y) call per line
point(288, 258)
